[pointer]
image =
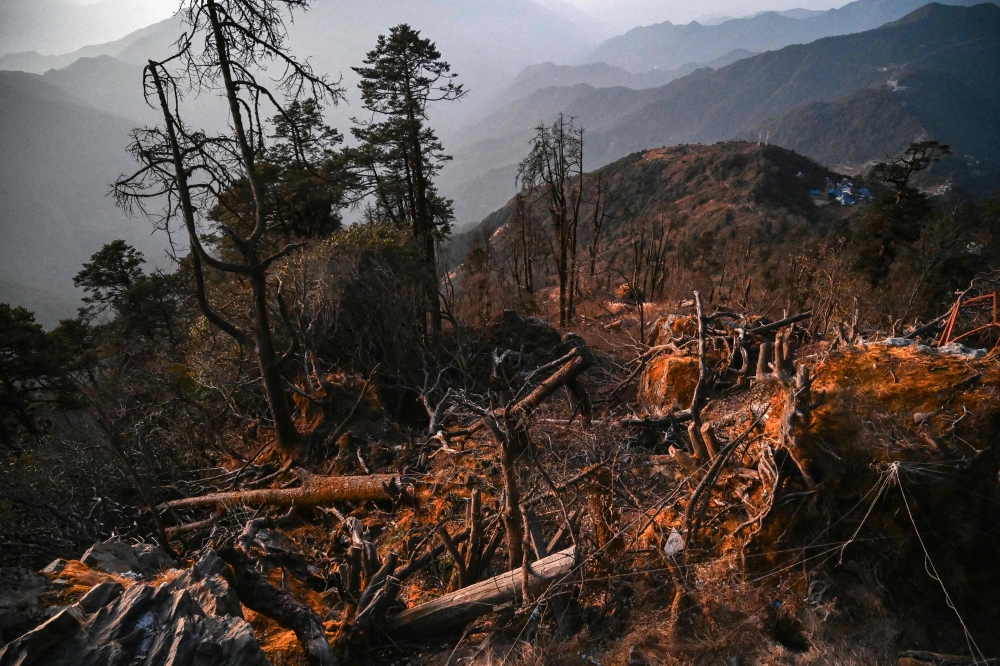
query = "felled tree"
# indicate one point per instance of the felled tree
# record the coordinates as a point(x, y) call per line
point(225, 47)
point(400, 153)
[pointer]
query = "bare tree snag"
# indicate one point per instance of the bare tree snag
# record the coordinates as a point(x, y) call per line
point(463, 572)
point(376, 582)
point(586, 406)
point(457, 609)
point(764, 361)
point(258, 595)
point(699, 450)
point(702, 494)
point(472, 557)
point(315, 490)
point(701, 388)
point(373, 612)
point(512, 518)
point(558, 603)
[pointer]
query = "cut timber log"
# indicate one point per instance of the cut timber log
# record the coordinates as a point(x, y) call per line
point(314, 491)
point(455, 610)
point(662, 422)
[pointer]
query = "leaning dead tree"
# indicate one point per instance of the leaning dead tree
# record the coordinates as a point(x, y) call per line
point(225, 47)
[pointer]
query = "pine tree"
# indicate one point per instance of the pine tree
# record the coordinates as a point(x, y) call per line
point(399, 152)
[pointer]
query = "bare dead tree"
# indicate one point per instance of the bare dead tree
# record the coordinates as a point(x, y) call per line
point(226, 44)
point(554, 167)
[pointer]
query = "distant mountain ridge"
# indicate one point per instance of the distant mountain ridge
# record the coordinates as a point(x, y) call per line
point(131, 48)
point(956, 44)
point(668, 46)
point(603, 75)
point(63, 26)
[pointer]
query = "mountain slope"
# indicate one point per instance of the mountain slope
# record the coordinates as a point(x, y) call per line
point(721, 200)
point(57, 160)
point(61, 26)
point(962, 45)
point(668, 46)
point(603, 75)
point(884, 121)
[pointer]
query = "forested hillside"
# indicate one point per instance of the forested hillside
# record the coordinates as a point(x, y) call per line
point(57, 160)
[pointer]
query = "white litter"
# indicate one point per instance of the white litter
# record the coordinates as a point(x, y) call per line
point(675, 543)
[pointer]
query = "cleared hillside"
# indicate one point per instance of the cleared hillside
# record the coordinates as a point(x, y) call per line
point(713, 203)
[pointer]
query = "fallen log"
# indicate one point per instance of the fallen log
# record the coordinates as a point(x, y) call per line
point(663, 422)
point(574, 364)
point(314, 491)
point(455, 610)
point(780, 324)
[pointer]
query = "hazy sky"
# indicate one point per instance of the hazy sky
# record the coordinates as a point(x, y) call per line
point(62, 26)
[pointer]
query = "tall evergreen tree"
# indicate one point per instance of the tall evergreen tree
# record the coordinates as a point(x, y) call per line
point(399, 151)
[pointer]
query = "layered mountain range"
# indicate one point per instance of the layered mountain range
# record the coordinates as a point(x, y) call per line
point(668, 46)
point(844, 100)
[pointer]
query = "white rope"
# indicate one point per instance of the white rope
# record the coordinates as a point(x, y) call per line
point(933, 573)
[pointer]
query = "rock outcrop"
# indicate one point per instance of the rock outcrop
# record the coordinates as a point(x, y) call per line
point(193, 619)
point(117, 557)
point(20, 595)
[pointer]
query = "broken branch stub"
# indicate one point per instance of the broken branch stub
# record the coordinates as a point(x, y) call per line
point(455, 610)
point(315, 490)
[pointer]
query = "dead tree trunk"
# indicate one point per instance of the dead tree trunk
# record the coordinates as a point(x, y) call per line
point(457, 609)
point(575, 363)
point(258, 595)
point(509, 426)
